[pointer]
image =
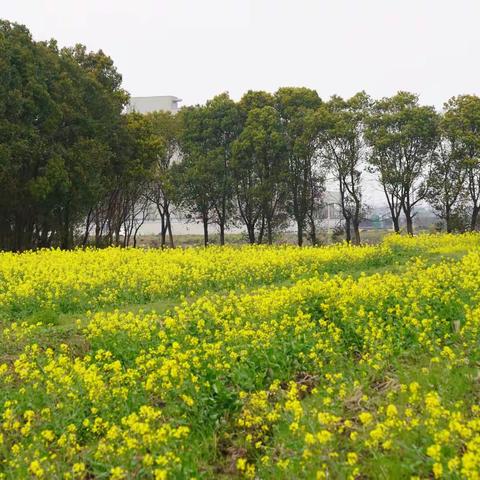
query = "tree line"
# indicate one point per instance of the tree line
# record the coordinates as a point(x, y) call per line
point(75, 169)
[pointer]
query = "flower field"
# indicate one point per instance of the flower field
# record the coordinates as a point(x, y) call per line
point(252, 362)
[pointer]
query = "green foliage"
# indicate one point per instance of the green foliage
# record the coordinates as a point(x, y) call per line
point(339, 126)
point(304, 178)
point(447, 188)
point(403, 136)
point(255, 99)
point(461, 125)
point(60, 118)
point(161, 191)
point(259, 169)
point(75, 169)
point(207, 171)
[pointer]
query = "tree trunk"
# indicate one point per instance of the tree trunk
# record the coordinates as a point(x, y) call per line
point(65, 241)
point(409, 218)
point(43, 238)
point(474, 219)
point(163, 230)
point(109, 241)
point(97, 234)
point(126, 236)
point(448, 219)
point(223, 217)
point(348, 233)
point(262, 231)
point(205, 231)
point(135, 234)
point(170, 234)
point(87, 229)
point(269, 231)
point(18, 234)
point(356, 232)
point(251, 233)
point(313, 232)
point(117, 237)
point(222, 233)
point(396, 224)
point(300, 233)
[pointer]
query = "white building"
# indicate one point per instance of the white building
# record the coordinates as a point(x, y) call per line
point(165, 103)
point(329, 215)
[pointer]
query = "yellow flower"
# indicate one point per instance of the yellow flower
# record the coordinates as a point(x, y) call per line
point(453, 464)
point(188, 400)
point(293, 426)
point(434, 451)
point(241, 464)
point(48, 435)
point(324, 436)
point(36, 469)
point(392, 411)
point(352, 458)
point(78, 468)
point(117, 473)
point(437, 470)
point(148, 460)
point(387, 444)
point(366, 418)
point(160, 474)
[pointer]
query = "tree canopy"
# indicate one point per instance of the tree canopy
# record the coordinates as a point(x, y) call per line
point(76, 169)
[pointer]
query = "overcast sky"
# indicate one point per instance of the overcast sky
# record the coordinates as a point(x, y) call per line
point(195, 49)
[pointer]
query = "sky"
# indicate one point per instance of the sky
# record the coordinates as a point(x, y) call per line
point(195, 49)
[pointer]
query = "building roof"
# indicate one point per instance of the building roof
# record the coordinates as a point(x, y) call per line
point(162, 103)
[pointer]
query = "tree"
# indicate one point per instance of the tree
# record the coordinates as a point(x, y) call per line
point(92, 102)
point(194, 181)
point(461, 122)
point(340, 125)
point(60, 114)
point(129, 180)
point(222, 126)
point(293, 105)
point(29, 169)
point(165, 129)
point(208, 134)
point(195, 175)
point(447, 192)
point(255, 99)
point(403, 136)
point(259, 169)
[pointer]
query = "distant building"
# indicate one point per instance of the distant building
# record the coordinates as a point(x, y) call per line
point(165, 103)
point(329, 214)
